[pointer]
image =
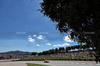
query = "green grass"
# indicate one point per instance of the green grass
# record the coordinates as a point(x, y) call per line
point(31, 64)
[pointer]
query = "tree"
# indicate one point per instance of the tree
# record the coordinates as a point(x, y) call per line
point(56, 50)
point(51, 51)
point(45, 52)
point(73, 47)
point(40, 53)
point(66, 49)
point(34, 53)
point(1, 57)
point(80, 17)
point(61, 49)
point(69, 48)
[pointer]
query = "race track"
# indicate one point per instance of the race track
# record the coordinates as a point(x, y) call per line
point(12, 64)
point(52, 63)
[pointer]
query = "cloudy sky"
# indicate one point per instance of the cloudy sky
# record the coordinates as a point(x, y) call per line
point(24, 28)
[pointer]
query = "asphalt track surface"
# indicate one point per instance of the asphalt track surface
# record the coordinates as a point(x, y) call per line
point(52, 63)
point(12, 64)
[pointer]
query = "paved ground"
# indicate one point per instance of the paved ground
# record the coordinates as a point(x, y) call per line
point(12, 64)
point(66, 63)
point(53, 63)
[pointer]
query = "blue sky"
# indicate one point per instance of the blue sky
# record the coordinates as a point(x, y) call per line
point(24, 28)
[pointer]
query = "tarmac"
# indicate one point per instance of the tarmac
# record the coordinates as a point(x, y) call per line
point(52, 63)
point(12, 64)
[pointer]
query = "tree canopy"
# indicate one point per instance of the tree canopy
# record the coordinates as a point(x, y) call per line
point(80, 17)
point(62, 49)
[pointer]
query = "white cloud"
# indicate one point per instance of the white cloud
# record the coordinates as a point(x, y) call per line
point(40, 37)
point(48, 44)
point(55, 45)
point(44, 36)
point(29, 36)
point(67, 39)
point(61, 45)
point(38, 45)
point(31, 39)
point(34, 35)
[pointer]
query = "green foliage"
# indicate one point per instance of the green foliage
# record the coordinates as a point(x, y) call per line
point(80, 17)
point(31, 64)
point(56, 50)
point(62, 49)
point(1, 57)
point(34, 53)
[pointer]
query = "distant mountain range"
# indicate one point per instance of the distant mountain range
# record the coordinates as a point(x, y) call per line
point(16, 53)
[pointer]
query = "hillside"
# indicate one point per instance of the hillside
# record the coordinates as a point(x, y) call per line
point(15, 53)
